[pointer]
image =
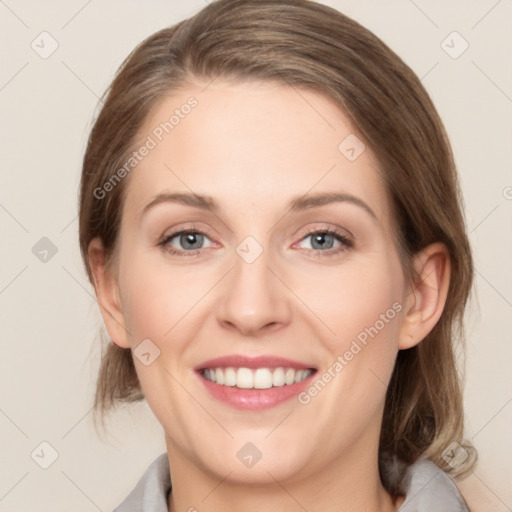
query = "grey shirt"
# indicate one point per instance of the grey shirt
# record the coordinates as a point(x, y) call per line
point(429, 489)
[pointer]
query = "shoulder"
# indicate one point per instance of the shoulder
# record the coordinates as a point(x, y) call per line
point(430, 488)
point(150, 493)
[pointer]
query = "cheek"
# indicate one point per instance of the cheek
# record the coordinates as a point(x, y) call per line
point(157, 305)
point(155, 300)
point(363, 306)
point(362, 311)
point(360, 301)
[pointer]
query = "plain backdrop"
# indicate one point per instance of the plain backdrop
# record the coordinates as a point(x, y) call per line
point(50, 321)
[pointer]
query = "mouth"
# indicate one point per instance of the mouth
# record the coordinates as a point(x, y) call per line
point(260, 378)
point(254, 382)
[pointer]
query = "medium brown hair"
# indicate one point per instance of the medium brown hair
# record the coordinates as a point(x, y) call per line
point(307, 46)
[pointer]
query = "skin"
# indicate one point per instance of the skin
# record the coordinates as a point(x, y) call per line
point(253, 147)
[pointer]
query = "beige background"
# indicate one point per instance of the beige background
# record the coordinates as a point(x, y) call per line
point(49, 318)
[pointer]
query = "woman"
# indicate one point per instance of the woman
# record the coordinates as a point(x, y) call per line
point(270, 217)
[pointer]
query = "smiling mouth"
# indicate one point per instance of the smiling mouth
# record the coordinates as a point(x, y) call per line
point(256, 378)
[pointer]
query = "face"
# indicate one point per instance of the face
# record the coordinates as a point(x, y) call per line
point(257, 261)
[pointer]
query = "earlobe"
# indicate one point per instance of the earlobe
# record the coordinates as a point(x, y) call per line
point(107, 294)
point(427, 296)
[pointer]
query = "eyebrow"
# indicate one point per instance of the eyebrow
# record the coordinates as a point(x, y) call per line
point(296, 204)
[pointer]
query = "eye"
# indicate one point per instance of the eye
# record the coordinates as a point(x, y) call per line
point(326, 241)
point(185, 241)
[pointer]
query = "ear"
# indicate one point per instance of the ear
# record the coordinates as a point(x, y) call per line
point(427, 295)
point(107, 293)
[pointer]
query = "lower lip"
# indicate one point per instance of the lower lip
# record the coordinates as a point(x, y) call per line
point(254, 399)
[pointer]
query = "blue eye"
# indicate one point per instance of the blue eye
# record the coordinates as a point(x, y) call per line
point(326, 239)
point(325, 242)
point(322, 241)
point(188, 242)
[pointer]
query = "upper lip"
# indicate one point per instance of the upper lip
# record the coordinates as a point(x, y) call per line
point(241, 361)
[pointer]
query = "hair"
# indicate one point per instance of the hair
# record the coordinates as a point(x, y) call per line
point(302, 44)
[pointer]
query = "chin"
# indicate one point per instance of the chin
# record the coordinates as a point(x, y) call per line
point(257, 462)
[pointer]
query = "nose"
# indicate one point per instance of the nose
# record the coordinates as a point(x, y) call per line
point(254, 300)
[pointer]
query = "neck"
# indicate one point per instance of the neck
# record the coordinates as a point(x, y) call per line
point(352, 484)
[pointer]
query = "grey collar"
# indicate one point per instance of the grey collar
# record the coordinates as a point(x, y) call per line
point(427, 487)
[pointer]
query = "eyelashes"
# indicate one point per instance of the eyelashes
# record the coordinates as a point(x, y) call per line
point(188, 236)
point(320, 238)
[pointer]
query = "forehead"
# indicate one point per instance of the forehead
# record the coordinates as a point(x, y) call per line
point(252, 143)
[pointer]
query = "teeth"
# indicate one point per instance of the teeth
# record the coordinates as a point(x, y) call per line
point(229, 377)
point(300, 375)
point(261, 378)
point(278, 377)
point(290, 376)
point(244, 378)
